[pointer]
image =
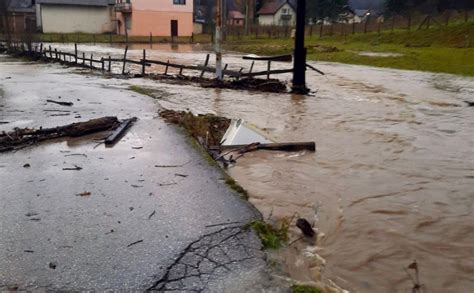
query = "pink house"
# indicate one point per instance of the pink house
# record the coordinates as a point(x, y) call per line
point(158, 17)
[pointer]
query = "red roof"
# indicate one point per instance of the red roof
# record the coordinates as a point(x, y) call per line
point(234, 14)
point(272, 6)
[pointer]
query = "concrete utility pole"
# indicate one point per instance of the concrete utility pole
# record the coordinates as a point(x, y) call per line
point(299, 66)
point(218, 40)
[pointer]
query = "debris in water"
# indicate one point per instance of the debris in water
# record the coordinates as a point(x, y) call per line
point(76, 168)
point(469, 104)
point(181, 175)
point(85, 193)
point(53, 265)
point(26, 165)
point(151, 215)
point(61, 103)
point(305, 227)
point(136, 242)
point(120, 131)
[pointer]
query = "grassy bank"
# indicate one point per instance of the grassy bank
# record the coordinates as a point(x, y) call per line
point(440, 49)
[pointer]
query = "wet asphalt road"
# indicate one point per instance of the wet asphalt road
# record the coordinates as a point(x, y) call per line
point(142, 226)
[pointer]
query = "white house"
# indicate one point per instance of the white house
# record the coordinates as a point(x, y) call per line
point(277, 12)
point(77, 16)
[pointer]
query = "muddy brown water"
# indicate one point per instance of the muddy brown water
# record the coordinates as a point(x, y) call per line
point(392, 179)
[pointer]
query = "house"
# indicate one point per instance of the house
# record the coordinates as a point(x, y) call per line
point(156, 17)
point(74, 16)
point(235, 18)
point(277, 12)
point(22, 16)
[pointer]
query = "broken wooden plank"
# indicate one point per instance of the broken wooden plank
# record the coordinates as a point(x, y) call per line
point(289, 146)
point(315, 69)
point(120, 131)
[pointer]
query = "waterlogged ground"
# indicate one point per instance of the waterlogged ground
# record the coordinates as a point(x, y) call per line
point(392, 179)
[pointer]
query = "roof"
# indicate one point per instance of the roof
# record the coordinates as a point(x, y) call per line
point(21, 6)
point(361, 12)
point(272, 6)
point(78, 2)
point(234, 14)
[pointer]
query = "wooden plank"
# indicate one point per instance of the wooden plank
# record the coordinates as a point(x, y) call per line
point(120, 131)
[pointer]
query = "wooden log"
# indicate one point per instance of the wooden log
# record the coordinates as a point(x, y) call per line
point(290, 146)
point(120, 131)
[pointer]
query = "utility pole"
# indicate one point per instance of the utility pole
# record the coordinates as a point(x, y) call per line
point(299, 66)
point(218, 40)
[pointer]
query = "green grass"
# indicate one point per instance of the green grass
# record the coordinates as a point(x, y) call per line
point(236, 187)
point(304, 289)
point(271, 237)
point(438, 49)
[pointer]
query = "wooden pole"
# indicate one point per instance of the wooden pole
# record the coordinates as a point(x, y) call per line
point(84, 59)
point(110, 64)
point(251, 66)
point(103, 64)
point(92, 65)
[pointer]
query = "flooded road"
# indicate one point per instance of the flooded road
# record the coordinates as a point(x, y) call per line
point(392, 178)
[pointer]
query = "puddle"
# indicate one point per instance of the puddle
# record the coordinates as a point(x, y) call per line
point(379, 54)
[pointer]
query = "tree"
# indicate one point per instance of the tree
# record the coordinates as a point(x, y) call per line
point(320, 9)
point(4, 20)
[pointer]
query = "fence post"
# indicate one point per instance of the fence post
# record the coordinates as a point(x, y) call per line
point(143, 64)
point(205, 65)
point(268, 69)
point(110, 64)
point(84, 59)
point(103, 64)
point(321, 30)
point(92, 57)
point(124, 59)
point(353, 27)
point(75, 53)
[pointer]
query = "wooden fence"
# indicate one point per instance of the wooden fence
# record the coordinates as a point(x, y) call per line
point(104, 64)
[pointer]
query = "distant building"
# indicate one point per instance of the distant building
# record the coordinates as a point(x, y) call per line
point(277, 12)
point(22, 16)
point(74, 16)
point(158, 17)
point(236, 18)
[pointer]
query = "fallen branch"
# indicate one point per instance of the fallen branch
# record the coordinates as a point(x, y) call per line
point(20, 138)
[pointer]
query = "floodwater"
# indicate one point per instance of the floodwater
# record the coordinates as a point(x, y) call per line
point(392, 179)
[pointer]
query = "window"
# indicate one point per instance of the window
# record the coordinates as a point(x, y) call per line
point(285, 11)
point(179, 2)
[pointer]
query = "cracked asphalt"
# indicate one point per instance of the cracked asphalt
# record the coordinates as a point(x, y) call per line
point(144, 225)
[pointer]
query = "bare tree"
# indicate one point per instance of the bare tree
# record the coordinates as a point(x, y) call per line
point(4, 21)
